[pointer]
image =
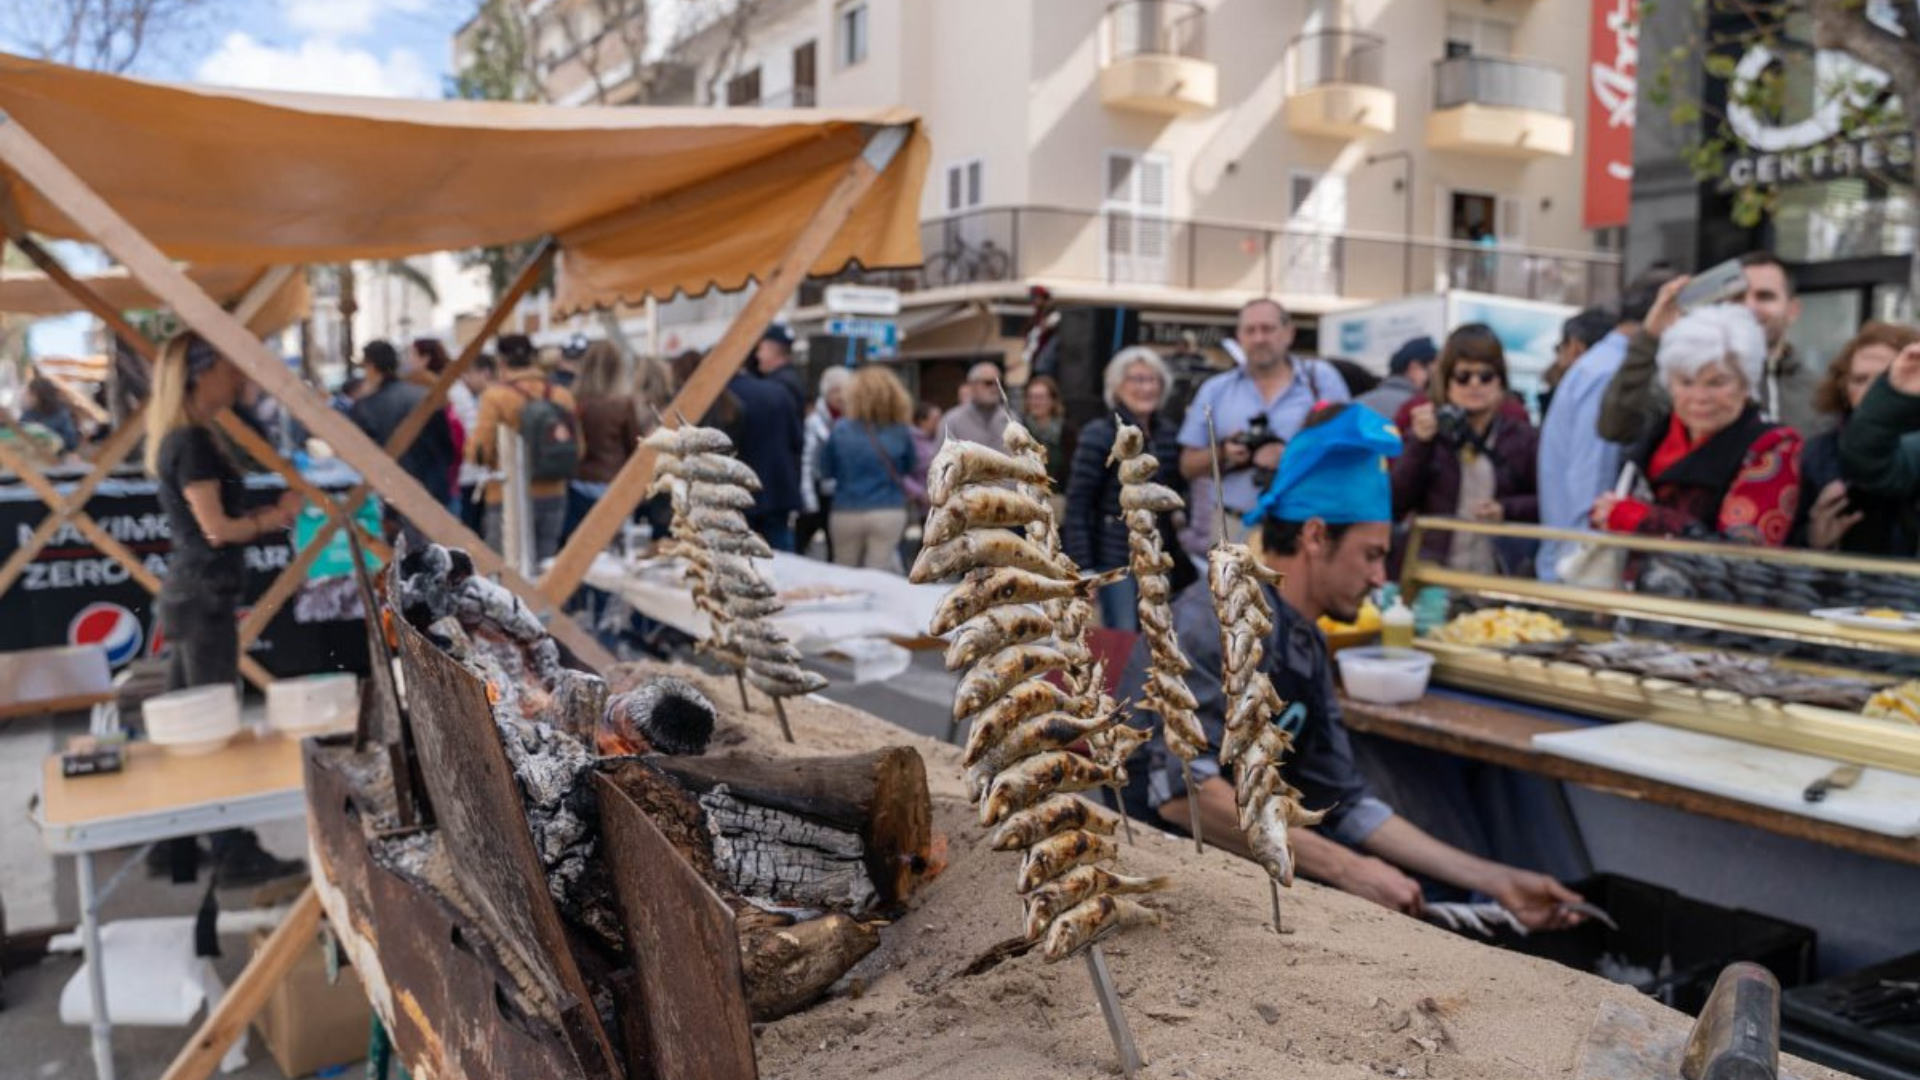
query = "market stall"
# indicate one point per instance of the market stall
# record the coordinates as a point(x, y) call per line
point(674, 201)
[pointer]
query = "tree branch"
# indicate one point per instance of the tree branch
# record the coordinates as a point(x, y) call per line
point(1844, 25)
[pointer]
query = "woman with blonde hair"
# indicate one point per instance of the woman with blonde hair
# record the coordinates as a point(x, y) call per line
point(204, 497)
point(868, 457)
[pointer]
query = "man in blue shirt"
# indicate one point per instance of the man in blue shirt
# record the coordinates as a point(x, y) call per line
point(1273, 384)
point(1582, 465)
point(1326, 526)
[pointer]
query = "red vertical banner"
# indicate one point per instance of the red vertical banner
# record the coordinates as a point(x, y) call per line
point(1612, 80)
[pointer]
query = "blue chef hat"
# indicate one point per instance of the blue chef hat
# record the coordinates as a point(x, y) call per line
point(1335, 471)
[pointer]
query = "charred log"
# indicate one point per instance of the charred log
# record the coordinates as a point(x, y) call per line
point(787, 969)
point(880, 797)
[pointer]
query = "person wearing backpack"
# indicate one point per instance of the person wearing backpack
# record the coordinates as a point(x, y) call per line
point(526, 401)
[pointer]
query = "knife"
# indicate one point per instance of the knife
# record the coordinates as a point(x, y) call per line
point(1842, 776)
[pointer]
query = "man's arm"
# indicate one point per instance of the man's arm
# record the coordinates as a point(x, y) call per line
point(1875, 455)
point(1315, 856)
point(1632, 398)
point(1533, 898)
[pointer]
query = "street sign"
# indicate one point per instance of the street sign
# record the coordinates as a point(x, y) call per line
point(863, 300)
point(882, 336)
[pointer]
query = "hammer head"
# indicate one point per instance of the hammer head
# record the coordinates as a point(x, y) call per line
point(1737, 1036)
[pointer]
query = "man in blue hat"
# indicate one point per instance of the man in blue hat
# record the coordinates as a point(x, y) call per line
point(1325, 523)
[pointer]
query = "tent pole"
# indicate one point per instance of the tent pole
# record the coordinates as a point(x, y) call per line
point(295, 574)
point(30, 160)
point(629, 487)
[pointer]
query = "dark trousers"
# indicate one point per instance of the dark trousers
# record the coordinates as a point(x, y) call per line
point(203, 649)
point(775, 527)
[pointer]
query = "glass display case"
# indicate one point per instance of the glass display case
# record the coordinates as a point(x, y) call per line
point(1809, 651)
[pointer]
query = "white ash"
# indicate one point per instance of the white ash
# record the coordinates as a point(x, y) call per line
point(772, 855)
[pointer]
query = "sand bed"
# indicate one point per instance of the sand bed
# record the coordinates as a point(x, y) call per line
point(1353, 990)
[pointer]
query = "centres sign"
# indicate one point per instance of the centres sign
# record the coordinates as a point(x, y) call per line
point(1816, 147)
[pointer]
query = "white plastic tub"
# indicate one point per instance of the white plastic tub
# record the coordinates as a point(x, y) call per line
point(1385, 676)
point(197, 720)
point(313, 702)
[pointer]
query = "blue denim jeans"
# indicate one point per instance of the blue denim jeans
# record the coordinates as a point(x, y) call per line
point(1119, 605)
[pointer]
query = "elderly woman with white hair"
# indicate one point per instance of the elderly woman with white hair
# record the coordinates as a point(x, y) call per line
point(1092, 532)
point(1717, 466)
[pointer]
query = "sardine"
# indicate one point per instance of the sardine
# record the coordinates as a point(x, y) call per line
point(1155, 497)
point(1018, 705)
point(960, 463)
point(1053, 815)
point(1007, 585)
point(746, 545)
point(688, 439)
point(718, 520)
point(1045, 903)
point(1185, 737)
point(721, 496)
point(1128, 442)
point(1026, 782)
point(985, 549)
point(766, 651)
point(1057, 854)
point(776, 686)
point(982, 507)
point(1048, 731)
point(998, 673)
point(1018, 440)
point(1171, 689)
point(1139, 470)
point(1093, 919)
point(711, 469)
point(994, 630)
point(1246, 717)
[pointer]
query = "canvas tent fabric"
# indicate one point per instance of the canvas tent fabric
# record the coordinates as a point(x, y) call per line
point(32, 293)
point(642, 200)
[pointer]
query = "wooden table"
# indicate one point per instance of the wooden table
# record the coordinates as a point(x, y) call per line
point(158, 796)
point(1485, 731)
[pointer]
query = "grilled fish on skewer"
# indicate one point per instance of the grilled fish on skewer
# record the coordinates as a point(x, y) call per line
point(1026, 782)
point(1052, 815)
point(986, 634)
point(995, 676)
point(711, 469)
point(1059, 853)
point(1009, 586)
point(1081, 883)
point(985, 549)
point(1155, 497)
point(960, 462)
point(978, 507)
point(1090, 920)
point(1020, 704)
point(1048, 731)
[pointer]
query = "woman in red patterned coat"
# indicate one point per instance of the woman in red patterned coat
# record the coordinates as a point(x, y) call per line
point(1718, 467)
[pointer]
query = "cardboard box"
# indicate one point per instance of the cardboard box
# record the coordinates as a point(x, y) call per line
point(309, 1025)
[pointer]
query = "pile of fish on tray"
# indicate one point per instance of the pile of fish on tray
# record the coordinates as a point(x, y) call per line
point(1779, 587)
point(1750, 676)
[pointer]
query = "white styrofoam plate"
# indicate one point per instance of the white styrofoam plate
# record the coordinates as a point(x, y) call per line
point(1855, 616)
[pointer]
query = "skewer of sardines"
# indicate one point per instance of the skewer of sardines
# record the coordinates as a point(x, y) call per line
point(1142, 501)
point(710, 492)
point(1251, 745)
point(1022, 755)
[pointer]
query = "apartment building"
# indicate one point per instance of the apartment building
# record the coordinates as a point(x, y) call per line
point(1158, 162)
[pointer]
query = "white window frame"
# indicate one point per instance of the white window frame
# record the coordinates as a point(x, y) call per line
point(1311, 251)
point(844, 41)
point(1131, 267)
point(971, 175)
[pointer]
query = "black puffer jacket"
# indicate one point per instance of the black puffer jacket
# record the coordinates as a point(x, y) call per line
point(1092, 533)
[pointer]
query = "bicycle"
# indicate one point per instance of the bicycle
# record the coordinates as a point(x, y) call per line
point(960, 263)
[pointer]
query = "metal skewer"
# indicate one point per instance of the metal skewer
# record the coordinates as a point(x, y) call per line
point(780, 710)
point(740, 680)
point(1220, 537)
point(1193, 809)
point(1110, 1008)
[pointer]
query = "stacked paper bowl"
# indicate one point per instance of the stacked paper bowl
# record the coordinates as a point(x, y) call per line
point(313, 703)
point(197, 720)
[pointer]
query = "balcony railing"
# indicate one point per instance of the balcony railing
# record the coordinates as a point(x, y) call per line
point(1156, 28)
point(1336, 58)
point(1499, 81)
point(798, 97)
point(1014, 244)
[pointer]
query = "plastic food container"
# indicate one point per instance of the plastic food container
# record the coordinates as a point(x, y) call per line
point(1385, 676)
point(313, 702)
point(197, 720)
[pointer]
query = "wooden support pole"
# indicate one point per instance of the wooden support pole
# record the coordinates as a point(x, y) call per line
point(31, 161)
point(295, 574)
point(249, 993)
point(13, 459)
point(629, 487)
point(112, 453)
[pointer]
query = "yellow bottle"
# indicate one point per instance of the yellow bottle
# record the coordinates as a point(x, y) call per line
point(1396, 626)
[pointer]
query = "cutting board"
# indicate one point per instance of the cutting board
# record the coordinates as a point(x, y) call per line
point(1883, 801)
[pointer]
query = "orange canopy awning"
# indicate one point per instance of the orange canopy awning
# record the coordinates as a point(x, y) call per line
point(34, 293)
point(642, 200)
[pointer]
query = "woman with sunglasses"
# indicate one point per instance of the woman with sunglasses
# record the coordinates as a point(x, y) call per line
point(1470, 452)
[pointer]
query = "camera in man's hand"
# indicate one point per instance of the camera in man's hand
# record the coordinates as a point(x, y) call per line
point(1257, 436)
point(1452, 422)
